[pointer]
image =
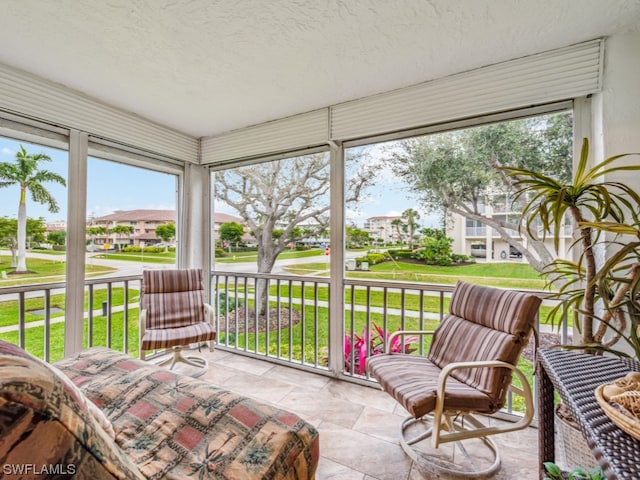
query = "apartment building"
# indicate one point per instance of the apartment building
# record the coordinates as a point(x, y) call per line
point(471, 237)
point(383, 229)
point(143, 223)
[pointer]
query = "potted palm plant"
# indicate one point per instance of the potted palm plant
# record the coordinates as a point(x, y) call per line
point(601, 287)
point(606, 216)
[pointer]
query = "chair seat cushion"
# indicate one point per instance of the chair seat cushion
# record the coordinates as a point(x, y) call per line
point(157, 338)
point(413, 381)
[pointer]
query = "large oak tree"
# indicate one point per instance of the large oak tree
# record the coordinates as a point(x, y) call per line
point(455, 172)
point(285, 201)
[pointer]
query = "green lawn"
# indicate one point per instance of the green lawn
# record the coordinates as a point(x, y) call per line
point(507, 274)
point(42, 271)
point(9, 309)
point(162, 257)
point(35, 337)
point(242, 257)
point(376, 298)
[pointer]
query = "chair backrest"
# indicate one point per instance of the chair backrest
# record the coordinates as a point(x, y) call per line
point(173, 298)
point(484, 323)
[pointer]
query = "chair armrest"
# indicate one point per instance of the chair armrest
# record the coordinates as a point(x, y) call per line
point(209, 313)
point(142, 326)
point(142, 320)
point(210, 317)
point(440, 435)
point(405, 332)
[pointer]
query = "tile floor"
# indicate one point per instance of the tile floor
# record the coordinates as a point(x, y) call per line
point(357, 424)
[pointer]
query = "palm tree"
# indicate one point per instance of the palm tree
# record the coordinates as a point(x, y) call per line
point(411, 216)
point(397, 223)
point(120, 230)
point(25, 173)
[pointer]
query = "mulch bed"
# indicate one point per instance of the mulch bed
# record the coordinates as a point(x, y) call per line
point(286, 320)
point(545, 340)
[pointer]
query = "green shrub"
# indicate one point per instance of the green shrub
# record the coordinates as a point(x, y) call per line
point(219, 252)
point(436, 251)
point(228, 304)
point(404, 253)
point(59, 248)
point(132, 248)
point(461, 258)
point(153, 249)
point(243, 249)
point(375, 258)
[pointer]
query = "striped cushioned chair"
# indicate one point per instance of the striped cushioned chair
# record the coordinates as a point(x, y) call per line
point(468, 370)
point(173, 314)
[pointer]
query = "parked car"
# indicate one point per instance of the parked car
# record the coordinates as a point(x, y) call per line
point(514, 252)
point(479, 250)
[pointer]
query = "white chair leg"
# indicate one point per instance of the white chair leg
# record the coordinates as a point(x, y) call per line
point(434, 464)
point(193, 360)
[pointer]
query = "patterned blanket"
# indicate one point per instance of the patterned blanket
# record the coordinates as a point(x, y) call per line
point(176, 427)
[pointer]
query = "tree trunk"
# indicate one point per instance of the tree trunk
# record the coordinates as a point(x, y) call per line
point(588, 302)
point(267, 255)
point(615, 309)
point(22, 233)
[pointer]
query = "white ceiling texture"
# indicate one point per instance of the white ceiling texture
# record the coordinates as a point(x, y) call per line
point(204, 67)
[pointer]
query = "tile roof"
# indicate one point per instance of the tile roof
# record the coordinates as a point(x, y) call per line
point(157, 216)
point(138, 215)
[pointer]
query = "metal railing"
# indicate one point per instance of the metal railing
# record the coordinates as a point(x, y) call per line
point(476, 231)
point(388, 306)
point(293, 330)
point(372, 311)
point(33, 316)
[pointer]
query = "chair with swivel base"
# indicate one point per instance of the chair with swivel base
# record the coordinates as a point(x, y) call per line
point(466, 374)
point(173, 314)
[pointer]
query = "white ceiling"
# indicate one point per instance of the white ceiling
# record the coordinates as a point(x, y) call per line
point(207, 66)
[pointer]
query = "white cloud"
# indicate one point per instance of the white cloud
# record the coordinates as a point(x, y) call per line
point(7, 151)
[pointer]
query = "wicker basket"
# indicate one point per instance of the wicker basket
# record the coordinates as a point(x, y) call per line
point(572, 448)
point(629, 424)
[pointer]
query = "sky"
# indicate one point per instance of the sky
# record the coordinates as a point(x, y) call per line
point(112, 186)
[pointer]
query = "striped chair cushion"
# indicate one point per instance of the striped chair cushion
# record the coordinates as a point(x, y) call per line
point(412, 380)
point(457, 340)
point(173, 298)
point(171, 337)
point(504, 310)
point(484, 324)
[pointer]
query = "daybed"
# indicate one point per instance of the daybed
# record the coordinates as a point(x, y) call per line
point(150, 423)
